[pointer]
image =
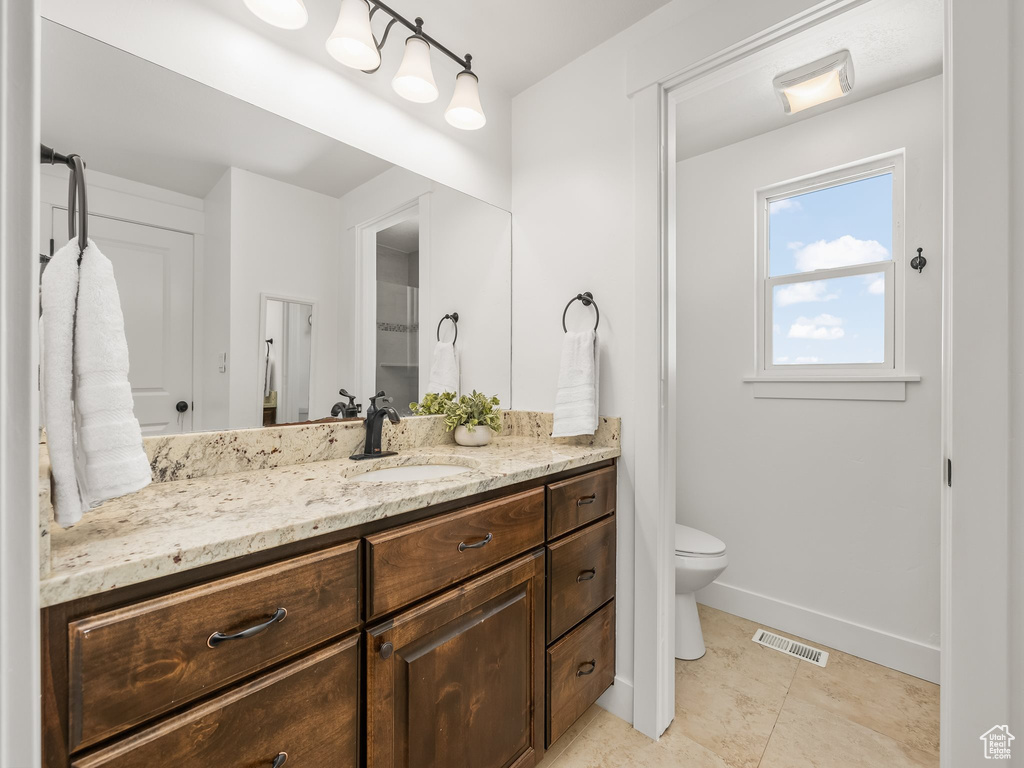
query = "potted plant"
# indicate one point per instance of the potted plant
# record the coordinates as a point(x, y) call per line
point(473, 418)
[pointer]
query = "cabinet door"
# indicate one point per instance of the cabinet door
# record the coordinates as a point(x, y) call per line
point(458, 681)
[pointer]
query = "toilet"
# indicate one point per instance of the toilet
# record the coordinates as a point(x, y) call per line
point(700, 559)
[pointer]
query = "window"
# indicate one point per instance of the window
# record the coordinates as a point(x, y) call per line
point(829, 272)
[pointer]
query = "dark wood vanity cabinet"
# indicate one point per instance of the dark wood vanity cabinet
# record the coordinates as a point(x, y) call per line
point(471, 637)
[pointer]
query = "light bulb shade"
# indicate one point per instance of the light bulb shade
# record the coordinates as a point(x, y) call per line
point(286, 14)
point(415, 79)
point(465, 111)
point(820, 81)
point(352, 41)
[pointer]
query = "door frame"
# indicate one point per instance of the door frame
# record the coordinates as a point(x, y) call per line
point(974, 663)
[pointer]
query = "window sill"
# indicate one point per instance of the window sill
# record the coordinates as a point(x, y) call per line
point(886, 387)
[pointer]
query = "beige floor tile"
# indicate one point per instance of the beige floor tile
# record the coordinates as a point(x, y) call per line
point(807, 736)
point(568, 737)
point(732, 717)
point(732, 655)
point(608, 742)
point(890, 702)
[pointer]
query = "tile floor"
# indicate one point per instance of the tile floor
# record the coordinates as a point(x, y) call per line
point(746, 706)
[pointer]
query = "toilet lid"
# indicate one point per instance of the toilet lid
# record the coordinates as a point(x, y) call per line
point(690, 541)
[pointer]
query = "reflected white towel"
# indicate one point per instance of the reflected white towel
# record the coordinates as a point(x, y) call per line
point(576, 402)
point(93, 437)
point(444, 369)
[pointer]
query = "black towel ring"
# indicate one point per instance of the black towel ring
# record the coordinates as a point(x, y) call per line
point(454, 317)
point(76, 200)
point(588, 299)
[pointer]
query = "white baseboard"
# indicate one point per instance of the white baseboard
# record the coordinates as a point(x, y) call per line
point(910, 656)
point(619, 699)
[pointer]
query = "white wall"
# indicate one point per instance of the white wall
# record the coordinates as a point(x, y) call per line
point(213, 295)
point(836, 511)
point(196, 39)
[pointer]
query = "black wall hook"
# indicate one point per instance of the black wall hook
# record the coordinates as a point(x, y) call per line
point(919, 261)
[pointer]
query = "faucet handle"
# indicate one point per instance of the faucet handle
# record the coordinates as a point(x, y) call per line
point(379, 396)
point(351, 398)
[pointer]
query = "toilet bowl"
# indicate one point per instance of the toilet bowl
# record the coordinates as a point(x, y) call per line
point(700, 559)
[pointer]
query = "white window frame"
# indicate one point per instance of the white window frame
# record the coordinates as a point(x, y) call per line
point(893, 364)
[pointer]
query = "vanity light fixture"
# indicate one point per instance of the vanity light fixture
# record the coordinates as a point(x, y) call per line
point(415, 79)
point(352, 42)
point(815, 83)
point(286, 14)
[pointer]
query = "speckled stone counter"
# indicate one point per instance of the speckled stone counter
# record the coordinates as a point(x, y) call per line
point(221, 495)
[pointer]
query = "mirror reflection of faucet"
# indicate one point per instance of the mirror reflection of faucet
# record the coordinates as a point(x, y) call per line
point(374, 423)
point(349, 410)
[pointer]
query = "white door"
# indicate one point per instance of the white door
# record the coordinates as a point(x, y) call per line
point(153, 269)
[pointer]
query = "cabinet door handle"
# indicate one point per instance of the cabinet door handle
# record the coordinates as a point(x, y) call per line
point(219, 637)
point(583, 671)
point(586, 575)
point(582, 501)
point(463, 546)
point(280, 760)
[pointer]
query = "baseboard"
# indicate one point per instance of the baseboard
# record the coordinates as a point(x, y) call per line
point(910, 656)
point(619, 699)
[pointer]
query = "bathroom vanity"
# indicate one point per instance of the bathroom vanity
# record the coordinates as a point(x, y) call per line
point(463, 621)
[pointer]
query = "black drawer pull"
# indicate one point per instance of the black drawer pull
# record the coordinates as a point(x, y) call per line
point(586, 575)
point(582, 501)
point(280, 760)
point(581, 672)
point(463, 546)
point(219, 637)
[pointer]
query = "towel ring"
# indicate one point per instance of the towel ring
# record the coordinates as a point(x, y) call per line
point(76, 189)
point(454, 317)
point(588, 299)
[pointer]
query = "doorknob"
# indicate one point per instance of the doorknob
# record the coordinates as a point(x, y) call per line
point(181, 407)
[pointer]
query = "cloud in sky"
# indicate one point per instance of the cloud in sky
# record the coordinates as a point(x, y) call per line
point(807, 360)
point(784, 205)
point(877, 286)
point(842, 252)
point(798, 293)
point(822, 328)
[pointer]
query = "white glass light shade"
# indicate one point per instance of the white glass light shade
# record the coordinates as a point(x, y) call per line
point(415, 79)
point(465, 111)
point(286, 14)
point(352, 41)
point(820, 81)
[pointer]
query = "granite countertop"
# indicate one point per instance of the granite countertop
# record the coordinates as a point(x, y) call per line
point(190, 521)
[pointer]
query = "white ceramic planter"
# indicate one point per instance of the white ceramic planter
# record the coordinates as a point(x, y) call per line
point(480, 435)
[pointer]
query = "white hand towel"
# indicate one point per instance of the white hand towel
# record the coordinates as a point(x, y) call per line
point(576, 402)
point(94, 439)
point(269, 379)
point(444, 369)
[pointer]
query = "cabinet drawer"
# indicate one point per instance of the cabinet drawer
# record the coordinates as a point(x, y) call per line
point(132, 663)
point(575, 502)
point(308, 709)
point(416, 560)
point(581, 576)
point(580, 668)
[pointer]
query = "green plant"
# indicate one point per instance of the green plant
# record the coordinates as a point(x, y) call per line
point(473, 410)
point(433, 404)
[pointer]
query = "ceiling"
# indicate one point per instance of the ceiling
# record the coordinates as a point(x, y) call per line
point(893, 43)
point(134, 119)
point(513, 44)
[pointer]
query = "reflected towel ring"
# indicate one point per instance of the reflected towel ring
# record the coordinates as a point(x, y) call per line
point(588, 299)
point(454, 317)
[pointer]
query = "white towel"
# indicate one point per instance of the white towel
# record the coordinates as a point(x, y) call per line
point(94, 439)
point(269, 379)
point(444, 369)
point(578, 396)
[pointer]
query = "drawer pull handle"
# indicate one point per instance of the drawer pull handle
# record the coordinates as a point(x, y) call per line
point(463, 546)
point(582, 671)
point(582, 501)
point(280, 760)
point(586, 575)
point(219, 637)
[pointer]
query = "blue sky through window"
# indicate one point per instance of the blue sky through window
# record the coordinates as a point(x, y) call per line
point(832, 320)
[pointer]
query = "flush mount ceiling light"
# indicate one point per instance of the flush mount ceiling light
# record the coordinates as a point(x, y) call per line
point(286, 14)
point(818, 82)
point(353, 44)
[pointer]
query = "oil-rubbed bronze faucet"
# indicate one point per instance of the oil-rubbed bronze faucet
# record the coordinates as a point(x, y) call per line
point(374, 425)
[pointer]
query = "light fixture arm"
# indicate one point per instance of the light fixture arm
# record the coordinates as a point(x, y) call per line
point(417, 29)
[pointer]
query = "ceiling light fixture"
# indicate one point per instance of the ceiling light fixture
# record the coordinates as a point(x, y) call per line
point(823, 80)
point(286, 14)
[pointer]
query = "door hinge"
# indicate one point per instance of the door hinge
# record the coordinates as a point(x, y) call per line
point(949, 473)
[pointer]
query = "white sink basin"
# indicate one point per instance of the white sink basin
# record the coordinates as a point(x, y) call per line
point(411, 472)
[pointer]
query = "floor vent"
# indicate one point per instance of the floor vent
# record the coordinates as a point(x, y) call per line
point(791, 647)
